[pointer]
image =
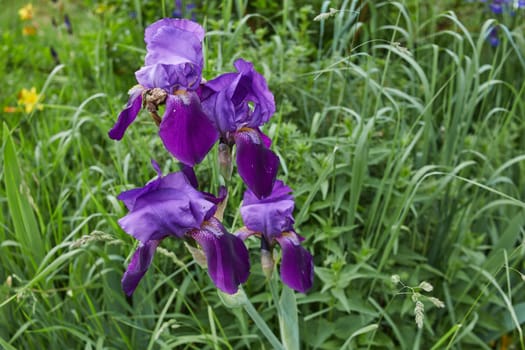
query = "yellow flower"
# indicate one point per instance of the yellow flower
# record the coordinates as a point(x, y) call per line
point(29, 30)
point(29, 100)
point(26, 12)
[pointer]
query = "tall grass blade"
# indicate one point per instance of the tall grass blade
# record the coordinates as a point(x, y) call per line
point(26, 229)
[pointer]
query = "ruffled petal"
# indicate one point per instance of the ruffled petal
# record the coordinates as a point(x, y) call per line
point(297, 268)
point(185, 130)
point(166, 206)
point(253, 88)
point(271, 215)
point(162, 212)
point(216, 98)
point(139, 264)
point(226, 255)
point(174, 55)
point(128, 114)
point(169, 77)
point(129, 197)
point(257, 165)
point(182, 24)
point(238, 100)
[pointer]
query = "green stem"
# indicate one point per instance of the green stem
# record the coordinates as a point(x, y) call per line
point(261, 324)
point(287, 311)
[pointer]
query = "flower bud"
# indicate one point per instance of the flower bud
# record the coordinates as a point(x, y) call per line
point(267, 263)
point(225, 161)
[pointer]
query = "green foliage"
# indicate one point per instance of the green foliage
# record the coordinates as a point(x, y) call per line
point(399, 128)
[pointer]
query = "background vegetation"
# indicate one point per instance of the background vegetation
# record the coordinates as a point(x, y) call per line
point(399, 127)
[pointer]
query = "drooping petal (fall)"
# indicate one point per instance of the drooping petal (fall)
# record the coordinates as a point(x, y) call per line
point(226, 256)
point(128, 114)
point(297, 268)
point(257, 165)
point(185, 130)
point(138, 266)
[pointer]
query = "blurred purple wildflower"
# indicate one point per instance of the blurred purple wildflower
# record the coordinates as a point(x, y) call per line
point(493, 37)
point(181, 11)
point(67, 23)
point(497, 6)
point(170, 206)
point(272, 220)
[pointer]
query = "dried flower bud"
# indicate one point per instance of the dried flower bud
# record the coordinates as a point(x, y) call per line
point(225, 161)
point(415, 297)
point(9, 281)
point(267, 262)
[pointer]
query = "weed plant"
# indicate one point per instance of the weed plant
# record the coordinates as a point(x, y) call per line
point(400, 129)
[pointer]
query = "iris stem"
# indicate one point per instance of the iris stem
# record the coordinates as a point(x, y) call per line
point(156, 118)
point(287, 313)
point(261, 324)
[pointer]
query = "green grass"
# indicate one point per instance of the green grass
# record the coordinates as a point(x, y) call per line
point(400, 129)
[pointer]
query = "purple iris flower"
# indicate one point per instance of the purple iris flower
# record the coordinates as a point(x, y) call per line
point(238, 104)
point(170, 206)
point(181, 11)
point(493, 37)
point(497, 6)
point(171, 75)
point(271, 218)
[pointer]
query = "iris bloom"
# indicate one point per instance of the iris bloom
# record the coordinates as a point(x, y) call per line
point(171, 74)
point(493, 37)
point(238, 104)
point(271, 219)
point(171, 207)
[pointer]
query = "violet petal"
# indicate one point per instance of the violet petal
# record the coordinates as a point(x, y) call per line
point(139, 264)
point(185, 130)
point(237, 100)
point(166, 206)
point(226, 256)
point(297, 269)
point(128, 114)
point(257, 165)
point(271, 215)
